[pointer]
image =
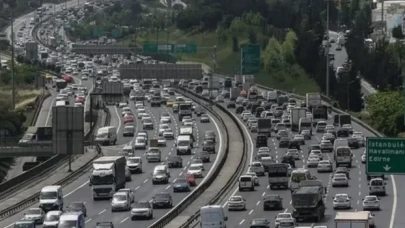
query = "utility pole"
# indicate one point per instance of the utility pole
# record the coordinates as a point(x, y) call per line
point(327, 48)
point(212, 75)
point(12, 61)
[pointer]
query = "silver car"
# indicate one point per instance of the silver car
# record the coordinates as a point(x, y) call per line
point(340, 179)
point(236, 203)
point(342, 201)
point(371, 203)
point(120, 202)
point(36, 215)
point(325, 166)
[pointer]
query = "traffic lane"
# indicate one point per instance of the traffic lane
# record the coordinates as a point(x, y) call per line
point(144, 193)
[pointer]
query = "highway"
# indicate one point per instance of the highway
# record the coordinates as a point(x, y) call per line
point(357, 189)
point(101, 210)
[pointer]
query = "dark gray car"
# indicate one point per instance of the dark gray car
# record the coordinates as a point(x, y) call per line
point(209, 146)
point(162, 200)
point(203, 155)
point(181, 185)
point(129, 130)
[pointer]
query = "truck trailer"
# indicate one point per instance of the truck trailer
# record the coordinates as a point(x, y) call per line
point(296, 115)
point(264, 126)
point(354, 219)
point(108, 176)
point(313, 100)
point(307, 201)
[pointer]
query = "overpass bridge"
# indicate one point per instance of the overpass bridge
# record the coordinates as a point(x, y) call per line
point(26, 151)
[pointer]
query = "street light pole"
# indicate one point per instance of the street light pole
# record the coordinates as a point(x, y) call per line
point(348, 96)
point(327, 48)
point(12, 61)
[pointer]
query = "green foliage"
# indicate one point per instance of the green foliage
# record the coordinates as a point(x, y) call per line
point(252, 36)
point(273, 56)
point(24, 74)
point(235, 44)
point(386, 111)
point(397, 32)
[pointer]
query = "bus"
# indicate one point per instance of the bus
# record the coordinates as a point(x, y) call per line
point(297, 176)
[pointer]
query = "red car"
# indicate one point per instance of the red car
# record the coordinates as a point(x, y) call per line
point(190, 180)
point(128, 119)
point(79, 100)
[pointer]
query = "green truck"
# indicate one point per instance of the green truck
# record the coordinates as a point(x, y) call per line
point(307, 201)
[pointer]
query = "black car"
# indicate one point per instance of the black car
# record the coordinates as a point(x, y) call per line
point(162, 200)
point(261, 141)
point(284, 142)
point(209, 146)
point(239, 110)
point(272, 202)
point(294, 144)
point(231, 105)
point(210, 135)
point(353, 143)
point(288, 159)
point(259, 223)
point(342, 132)
point(104, 225)
point(175, 161)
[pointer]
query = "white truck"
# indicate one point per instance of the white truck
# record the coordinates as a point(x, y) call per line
point(296, 115)
point(249, 78)
point(186, 130)
point(272, 96)
point(313, 100)
point(246, 86)
point(108, 176)
point(354, 219)
point(234, 93)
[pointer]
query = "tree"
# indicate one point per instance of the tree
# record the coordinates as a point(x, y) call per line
point(288, 46)
point(273, 56)
point(252, 36)
point(397, 32)
point(235, 44)
point(386, 111)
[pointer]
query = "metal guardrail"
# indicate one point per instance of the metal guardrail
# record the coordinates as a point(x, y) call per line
point(166, 219)
point(201, 188)
point(38, 107)
point(193, 220)
point(40, 170)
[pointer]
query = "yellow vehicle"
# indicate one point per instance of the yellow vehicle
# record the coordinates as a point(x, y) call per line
point(169, 103)
point(176, 107)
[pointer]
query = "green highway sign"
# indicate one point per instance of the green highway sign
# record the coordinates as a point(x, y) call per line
point(116, 33)
point(186, 48)
point(98, 32)
point(385, 155)
point(250, 59)
point(154, 48)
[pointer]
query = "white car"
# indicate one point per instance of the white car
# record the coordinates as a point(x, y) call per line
point(236, 203)
point(161, 141)
point(325, 166)
point(140, 143)
point(195, 170)
point(168, 135)
point(257, 167)
point(198, 162)
point(142, 209)
point(359, 136)
point(188, 124)
point(255, 178)
point(313, 161)
point(122, 104)
point(204, 118)
point(163, 128)
point(246, 117)
point(371, 203)
point(139, 104)
point(146, 116)
point(140, 115)
point(263, 149)
point(294, 153)
point(121, 201)
point(348, 127)
point(283, 216)
point(36, 215)
point(317, 153)
point(364, 157)
point(340, 179)
point(342, 201)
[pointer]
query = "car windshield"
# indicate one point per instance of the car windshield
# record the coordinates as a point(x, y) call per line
point(259, 222)
point(183, 143)
point(48, 195)
point(142, 205)
point(51, 217)
point(283, 216)
point(271, 198)
point(133, 160)
point(209, 142)
point(34, 211)
point(180, 181)
point(370, 198)
point(235, 199)
point(120, 197)
point(147, 121)
point(67, 224)
point(341, 197)
point(140, 140)
point(196, 161)
point(194, 168)
point(162, 196)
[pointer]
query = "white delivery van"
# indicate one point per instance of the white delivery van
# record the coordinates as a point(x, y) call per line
point(340, 142)
point(377, 186)
point(184, 145)
point(246, 182)
point(213, 216)
point(297, 176)
point(107, 135)
point(72, 220)
point(51, 198)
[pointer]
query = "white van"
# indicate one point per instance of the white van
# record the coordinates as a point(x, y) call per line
point(377, 186)
point(107, 135)
point(340, 142)
point(212, 216)
point(72, 220)
point(184, 145)
point(246, 182)
point(51, 198)
point(60, 103)
point(297, 176)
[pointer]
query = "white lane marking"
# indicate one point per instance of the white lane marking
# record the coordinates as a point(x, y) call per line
point(285, 211)
point(264, 193)
point(102, 211)
point(145, 181)
point(88, 220)
point(74, 190)
point(250, 212)
point(125, 219)
point(258, 202)
point(119, 119)
point(241, 222)
point(168, 187)
point(394, 205)
point(137, 187)
point(50, 112)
